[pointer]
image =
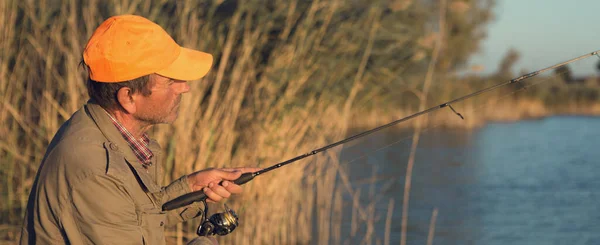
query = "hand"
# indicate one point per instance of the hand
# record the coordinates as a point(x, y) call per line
point(208, 181)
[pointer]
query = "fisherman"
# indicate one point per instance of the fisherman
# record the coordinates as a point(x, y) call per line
point(99, 181)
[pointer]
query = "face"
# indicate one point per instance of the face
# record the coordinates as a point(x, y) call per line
point(163, 103)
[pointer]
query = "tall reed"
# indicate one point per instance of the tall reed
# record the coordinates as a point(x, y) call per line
point(289, 76)
point(271, 95)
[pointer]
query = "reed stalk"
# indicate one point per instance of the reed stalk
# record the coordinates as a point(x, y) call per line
point(264, 101)
point(431, 233)
point(418, 122)
point(289, 77)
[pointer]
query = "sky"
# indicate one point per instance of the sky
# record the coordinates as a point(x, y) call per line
point(544, 32)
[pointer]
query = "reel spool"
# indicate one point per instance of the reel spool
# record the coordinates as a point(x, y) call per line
point(218, 224)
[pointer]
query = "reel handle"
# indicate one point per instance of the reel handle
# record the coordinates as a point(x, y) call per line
point(198, 196)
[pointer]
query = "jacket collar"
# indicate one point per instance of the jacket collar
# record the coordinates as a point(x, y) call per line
point(116, 142)
point(108, 129)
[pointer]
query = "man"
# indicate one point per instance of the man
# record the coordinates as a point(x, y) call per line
point(99, 180)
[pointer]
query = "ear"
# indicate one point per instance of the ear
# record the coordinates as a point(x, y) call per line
point(125, 98)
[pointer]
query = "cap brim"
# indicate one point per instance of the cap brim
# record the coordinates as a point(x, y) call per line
point(190, 65)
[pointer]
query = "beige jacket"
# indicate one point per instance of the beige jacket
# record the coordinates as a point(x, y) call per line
point(91, 189)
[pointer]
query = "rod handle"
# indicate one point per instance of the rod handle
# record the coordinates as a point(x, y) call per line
point(244, 178)
point(198, 196)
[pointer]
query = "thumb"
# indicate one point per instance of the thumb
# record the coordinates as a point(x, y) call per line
point(229, 175)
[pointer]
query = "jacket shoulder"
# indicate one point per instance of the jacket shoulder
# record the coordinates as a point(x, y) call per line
point(75, 158)
point(77, 149)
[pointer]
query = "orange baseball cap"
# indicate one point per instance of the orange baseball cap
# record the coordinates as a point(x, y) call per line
point(126, 47)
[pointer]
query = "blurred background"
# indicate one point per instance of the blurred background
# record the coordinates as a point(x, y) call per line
point(292, 76)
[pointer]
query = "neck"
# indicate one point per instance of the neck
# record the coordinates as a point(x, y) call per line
point(136, 127)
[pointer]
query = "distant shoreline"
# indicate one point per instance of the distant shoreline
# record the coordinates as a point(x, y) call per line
point(502, 113)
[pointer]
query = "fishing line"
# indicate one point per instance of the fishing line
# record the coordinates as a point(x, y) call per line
point(434, 126)
point(196, 196)
point(439, 124)
point(389, 183)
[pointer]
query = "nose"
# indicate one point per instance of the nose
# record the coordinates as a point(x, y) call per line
point(183, 87)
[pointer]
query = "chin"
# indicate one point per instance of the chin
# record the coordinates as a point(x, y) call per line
point(165, 120)
point(171, 119)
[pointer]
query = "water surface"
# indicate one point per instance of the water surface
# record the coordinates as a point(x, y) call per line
point(529, 182)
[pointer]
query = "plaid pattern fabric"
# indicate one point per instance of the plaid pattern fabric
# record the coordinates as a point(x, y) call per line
point(139, 146)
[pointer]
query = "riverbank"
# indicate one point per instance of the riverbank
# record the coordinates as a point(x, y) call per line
point(476, 114)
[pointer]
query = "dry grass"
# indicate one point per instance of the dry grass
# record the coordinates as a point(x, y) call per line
point(542, 97)
point(287, 79)
point(247, 111)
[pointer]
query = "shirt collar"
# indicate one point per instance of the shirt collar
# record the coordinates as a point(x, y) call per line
point(138, 146)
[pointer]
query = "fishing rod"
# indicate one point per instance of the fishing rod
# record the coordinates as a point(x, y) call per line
point(200, 196)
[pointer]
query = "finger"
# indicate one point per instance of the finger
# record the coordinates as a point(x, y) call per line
point(212, 196)
point(232, 187)
point(242, 169)
point(219, 190)
point(248, 169)
point(227, 175)
point(229, 169)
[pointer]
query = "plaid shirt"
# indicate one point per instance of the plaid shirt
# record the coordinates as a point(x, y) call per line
point(139, 146)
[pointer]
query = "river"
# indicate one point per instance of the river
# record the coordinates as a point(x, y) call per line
point(527, 182)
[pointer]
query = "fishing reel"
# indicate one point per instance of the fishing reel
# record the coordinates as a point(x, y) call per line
point(218, 224)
